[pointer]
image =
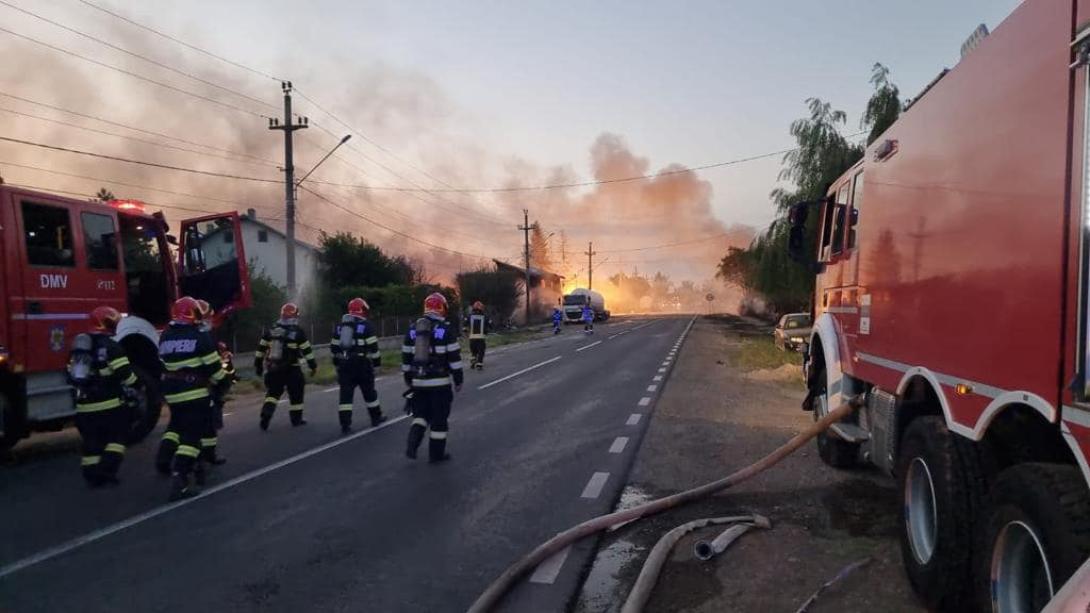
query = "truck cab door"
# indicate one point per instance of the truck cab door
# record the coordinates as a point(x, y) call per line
point(212, 263)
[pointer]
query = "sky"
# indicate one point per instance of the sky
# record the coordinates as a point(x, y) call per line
point(488, 93)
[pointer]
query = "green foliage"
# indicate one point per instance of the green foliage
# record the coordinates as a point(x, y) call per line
point(884, 106)
point(388, 301)
point(499, 290)
point(246, 326)
point(104, 195)
point(345, 259)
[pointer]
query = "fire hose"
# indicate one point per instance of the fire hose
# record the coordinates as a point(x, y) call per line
point(494, 592)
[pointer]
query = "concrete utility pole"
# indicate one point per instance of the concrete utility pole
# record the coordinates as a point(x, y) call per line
point(525, 227)
point(590, 253)
point(289, 181)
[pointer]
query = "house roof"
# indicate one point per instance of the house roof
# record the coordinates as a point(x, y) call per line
point(534, 271)
point(246, 218)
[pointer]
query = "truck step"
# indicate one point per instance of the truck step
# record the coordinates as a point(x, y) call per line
point(850, 433)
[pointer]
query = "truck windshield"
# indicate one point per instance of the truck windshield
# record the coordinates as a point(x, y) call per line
point(147, 287)
point(576, 300)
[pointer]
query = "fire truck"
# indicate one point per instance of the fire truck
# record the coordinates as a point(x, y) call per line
point(952, 302)
point(60, 258)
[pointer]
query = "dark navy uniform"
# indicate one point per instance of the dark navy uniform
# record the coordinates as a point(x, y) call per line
point(102, 415)
point(280, 355)
point(191, 365)
point(356, 355)
point(478, 325)
point(431, 362)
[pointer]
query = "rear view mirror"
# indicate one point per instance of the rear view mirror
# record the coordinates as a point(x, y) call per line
point(797, 216)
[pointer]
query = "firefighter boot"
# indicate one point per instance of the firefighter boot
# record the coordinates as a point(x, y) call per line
point(266, 415)
point(437, 449)
point(167, 447)
point(296, 415)
point(377, 418)
point(180, 487)
point(200, 472)
point(416, 436)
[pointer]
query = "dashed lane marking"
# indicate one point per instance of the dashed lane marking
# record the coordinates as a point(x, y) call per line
point(652, 388)
point(548, 570)
point(618, 444)
point(588, 346)
point(645, 401)
point(521, 372)
point(135, 520)
point(633, 419)
point(595, 485)
point(657, 378)
point(662, 370)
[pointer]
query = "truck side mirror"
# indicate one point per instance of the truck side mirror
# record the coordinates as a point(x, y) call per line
point(796, 238)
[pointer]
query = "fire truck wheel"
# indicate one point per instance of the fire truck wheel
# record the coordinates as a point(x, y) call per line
point(833, 451)
point(146, 414)
point(1036, 533)
point(12, 432)
point(941, 486)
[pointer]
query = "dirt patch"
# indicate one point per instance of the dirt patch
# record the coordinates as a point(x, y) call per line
point(712, 419)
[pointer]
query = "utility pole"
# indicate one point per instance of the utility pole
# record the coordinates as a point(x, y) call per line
point(590, 253)
point(289, 181)
point(525, 227)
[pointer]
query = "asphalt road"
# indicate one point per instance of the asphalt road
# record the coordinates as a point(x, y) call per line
point(306, 520)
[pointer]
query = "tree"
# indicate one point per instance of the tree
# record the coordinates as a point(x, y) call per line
point(344, 260)
point(499, 290)
point(884, 106)
point(104, 195)
point(540, 257)
point(821, 155)
point(247, 325)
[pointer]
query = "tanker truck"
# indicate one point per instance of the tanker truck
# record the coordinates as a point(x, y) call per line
point(578, 298)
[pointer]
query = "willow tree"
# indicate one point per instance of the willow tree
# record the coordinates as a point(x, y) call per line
point(885, 104)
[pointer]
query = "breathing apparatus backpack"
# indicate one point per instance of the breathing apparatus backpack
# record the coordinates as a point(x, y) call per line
point(426, 362)
point(274, 357)
point(81, 363)
point(346, 333)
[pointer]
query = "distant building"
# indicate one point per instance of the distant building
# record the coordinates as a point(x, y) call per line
point(265, 248)
point(546, 291)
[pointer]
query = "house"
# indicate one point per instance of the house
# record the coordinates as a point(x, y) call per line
point(266, 250)
point(546, 290)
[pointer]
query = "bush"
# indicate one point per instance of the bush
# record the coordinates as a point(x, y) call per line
point(243, 330)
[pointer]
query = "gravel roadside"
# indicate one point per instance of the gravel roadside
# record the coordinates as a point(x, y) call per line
point(713, 418)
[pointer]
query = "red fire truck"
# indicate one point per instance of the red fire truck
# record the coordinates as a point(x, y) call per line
point(952, 297)
point(61, 258)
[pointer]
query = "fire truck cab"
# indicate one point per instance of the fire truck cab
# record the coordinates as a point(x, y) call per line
point(61, 258)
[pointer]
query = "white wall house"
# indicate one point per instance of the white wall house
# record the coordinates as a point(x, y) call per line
point(265, 250)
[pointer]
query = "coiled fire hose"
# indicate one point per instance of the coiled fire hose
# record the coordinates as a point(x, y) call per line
point(492, 595)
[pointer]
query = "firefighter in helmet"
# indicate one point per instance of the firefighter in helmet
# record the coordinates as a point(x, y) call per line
point(478, 326)
point(100, 371)
point(209, 439)
point(191, 367)
point(431, 361)
point(356, 355)
point(279, 356)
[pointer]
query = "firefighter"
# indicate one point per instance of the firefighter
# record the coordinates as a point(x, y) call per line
point(279, 356)
point(478, 326)
point(431, 361)
point(209, 439)
point(588, 319)
point(558, 318)
point(227, 358)
point(356, 355)
point(190, 367)
point(100, 371)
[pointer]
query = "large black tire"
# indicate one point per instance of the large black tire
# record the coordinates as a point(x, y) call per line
point(1049, 503)
point(942, 485)
point(146, 415)
point(833, 451)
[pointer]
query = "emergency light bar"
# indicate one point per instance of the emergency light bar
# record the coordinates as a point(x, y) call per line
point(135, 206)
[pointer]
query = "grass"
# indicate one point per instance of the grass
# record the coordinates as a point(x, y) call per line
point(759, 352)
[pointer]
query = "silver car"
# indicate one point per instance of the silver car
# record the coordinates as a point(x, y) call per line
point(793, 331)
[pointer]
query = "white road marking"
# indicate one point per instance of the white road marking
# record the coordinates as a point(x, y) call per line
point(331, 389)
point(227, 414)
point(613, 337)
point(662, 370)
point(618, 444)
point(652, 388)
point(595, 485)
point(633, 419)
point(101, 533)
point(521, 372)
point(588, 346)
point(645, 401)
point(548, 570)
point(657, 378)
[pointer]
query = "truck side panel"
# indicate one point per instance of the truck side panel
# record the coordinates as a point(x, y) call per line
point(962, 232)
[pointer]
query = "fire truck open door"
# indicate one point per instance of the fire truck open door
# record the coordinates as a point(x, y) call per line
point(212, 263)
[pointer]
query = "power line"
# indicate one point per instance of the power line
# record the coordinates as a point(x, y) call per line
point(140, 162)
point(667, 245)
point(132, 138)
point(133, 128)
point(132, 74)
point(179, 41)
point(136, 55)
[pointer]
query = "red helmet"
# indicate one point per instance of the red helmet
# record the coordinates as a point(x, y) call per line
point(435, 303)
point(204, 309)
point(289, 311)
point(478, 306)
point(358, 307)
point(105, 319)
point(186, 310)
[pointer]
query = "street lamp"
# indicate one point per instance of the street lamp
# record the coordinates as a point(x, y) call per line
point(324, 158)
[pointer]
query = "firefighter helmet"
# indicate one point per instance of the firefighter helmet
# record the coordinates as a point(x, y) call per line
point(478, 306)
point(435, 304)
point(289, 311)
point(358, 307)
point(204, 309)
point(105, 319)
point(186, 310)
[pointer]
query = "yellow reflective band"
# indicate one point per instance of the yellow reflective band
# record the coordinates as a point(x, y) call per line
point(431, 382)
point(372, 404)
point(406, 368)
point(197, 394)
point(304, 344)
point(219, 374)
point(119, 362)
point(90, 460)
point(344, 407)
point(456, 365)
point(187, 450)
point(172, 437)
point(209, 442)
point(106, 372)
point(407, 349)
point(91, 407)
point(269, 399)
point(264, 343)
point(211, 358)
point(180, 364)
point(259, 354)
point(293, 345)
point(454, 347)
point(437, 435)
point(115, 448)
point(420, 422)
point(374, 355)
point(360, 342)
point(131, 380)
point(296, 408)
point(371, 339)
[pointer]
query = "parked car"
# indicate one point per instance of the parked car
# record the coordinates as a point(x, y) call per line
point(793, 331)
